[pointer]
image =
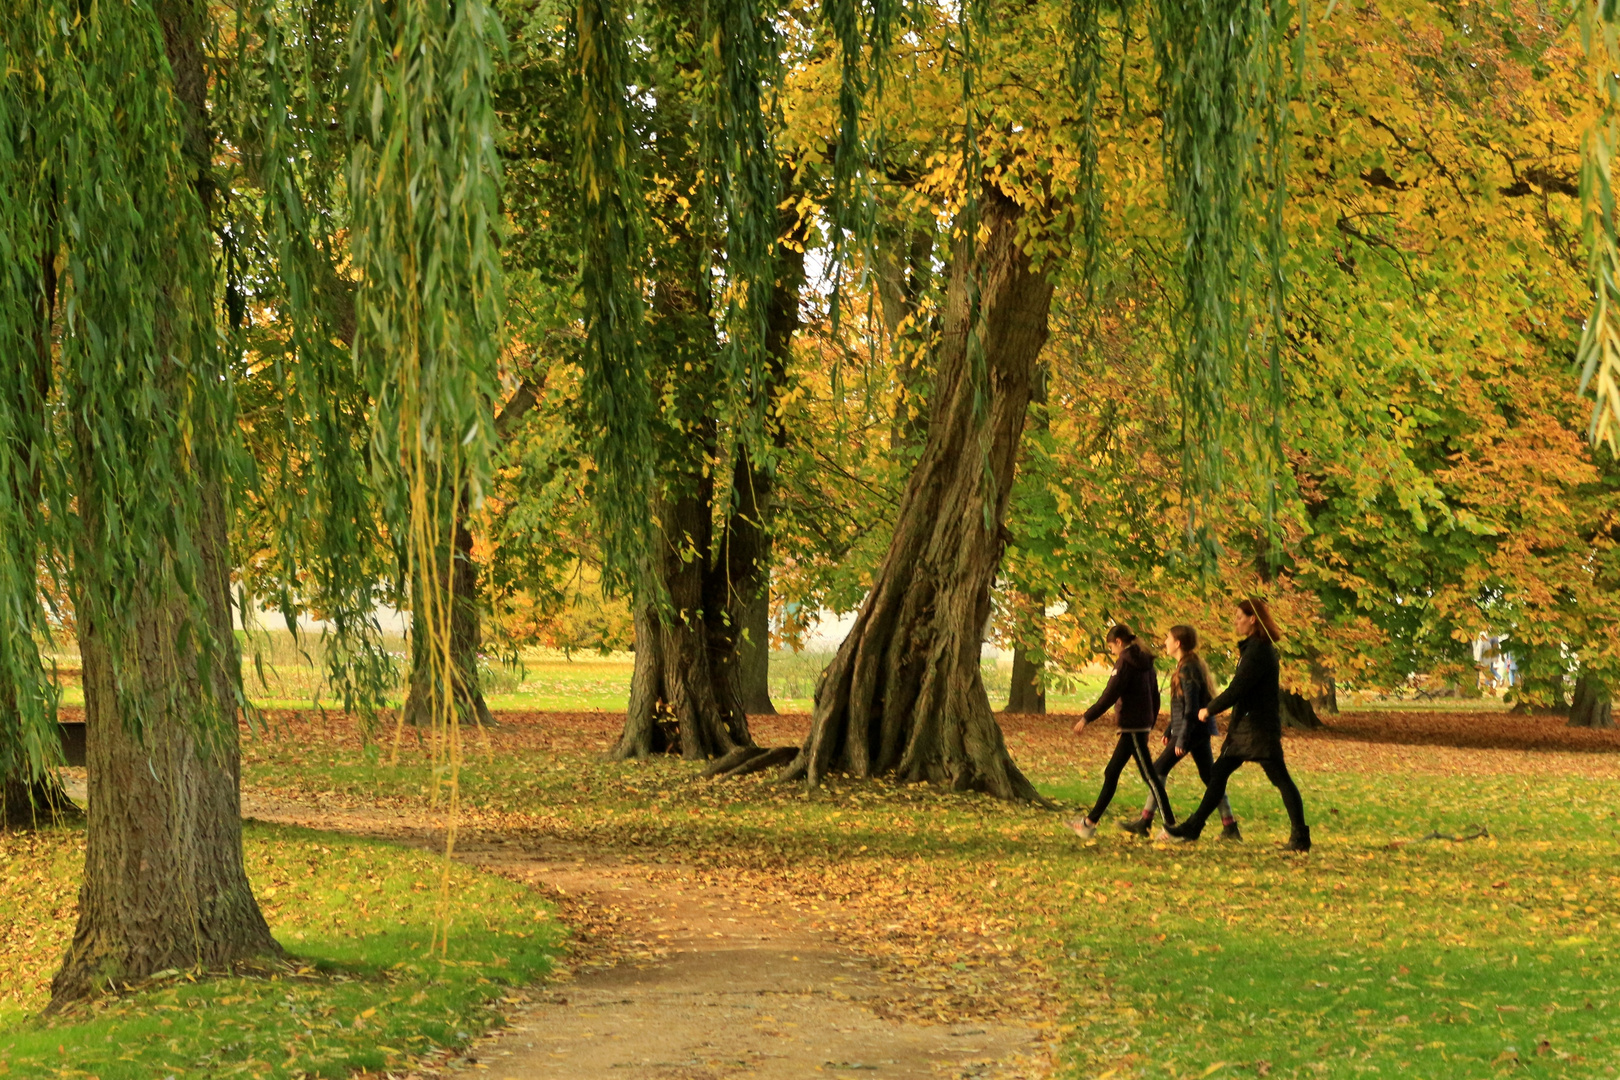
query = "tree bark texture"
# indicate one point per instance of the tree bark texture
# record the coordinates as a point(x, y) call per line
point(904, 695)
point(754, 653)
point(685, 691)
point(164, 883)
point(1593, 706)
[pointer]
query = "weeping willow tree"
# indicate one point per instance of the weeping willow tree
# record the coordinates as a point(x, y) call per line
point(122, 460)
point(677, 391)
point(122, 464)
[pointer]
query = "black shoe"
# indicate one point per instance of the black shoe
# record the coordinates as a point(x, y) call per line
point(1230, 831)
point(1300, 840)
point(1139, 827)
point(1185, 830)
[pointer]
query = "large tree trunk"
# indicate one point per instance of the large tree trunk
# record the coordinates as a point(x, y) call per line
point(426, 694)
point(904, 696)
point(164, 883)
point(1297, 710)
point(685, 691)
point(1593, 706)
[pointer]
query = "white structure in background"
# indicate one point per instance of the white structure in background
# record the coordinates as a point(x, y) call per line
point(1488, 654)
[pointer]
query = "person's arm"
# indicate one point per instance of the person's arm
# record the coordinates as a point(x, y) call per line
point(1110, 694)
point(1242, 685)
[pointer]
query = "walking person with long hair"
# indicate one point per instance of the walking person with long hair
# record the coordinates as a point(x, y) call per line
point(1255, 733)
point(1133, 693)
point(1187, 736)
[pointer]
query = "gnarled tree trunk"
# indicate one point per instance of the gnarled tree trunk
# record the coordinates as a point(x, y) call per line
point(1593, 706)
point(685, 690)
point(904, 696)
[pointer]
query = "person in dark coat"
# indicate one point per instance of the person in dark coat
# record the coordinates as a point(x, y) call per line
point(1133, 693)
point(1187, 735)
point(1255, 733)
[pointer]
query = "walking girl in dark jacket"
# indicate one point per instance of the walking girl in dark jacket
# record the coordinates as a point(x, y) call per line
point(1255, 733)
point(1133, 692)
point(1187, 735)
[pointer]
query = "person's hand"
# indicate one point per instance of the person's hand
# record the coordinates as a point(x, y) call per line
point(1181, 751)
point(1203, 714)
point(1080, 726)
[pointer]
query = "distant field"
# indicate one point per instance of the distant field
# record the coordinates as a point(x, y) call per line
point(280, 675)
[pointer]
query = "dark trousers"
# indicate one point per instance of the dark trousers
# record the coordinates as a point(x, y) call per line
point(1276, 772)
point(1132, 745)
point(1202, 756)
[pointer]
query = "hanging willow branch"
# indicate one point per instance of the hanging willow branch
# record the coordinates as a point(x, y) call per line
point(616, 398)
point(423, 185)
point(1224, 90)
point(1599, 353)
point(331, 553)
point(116, 416)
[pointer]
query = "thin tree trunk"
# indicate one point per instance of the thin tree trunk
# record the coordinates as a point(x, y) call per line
point(1326, 698)
point(466, 636)
point(1028, 691)
point(905, 696)
point(29, 804)
point(754, 654)
point(1593, 706)
point(164, 883)
point(466, 617)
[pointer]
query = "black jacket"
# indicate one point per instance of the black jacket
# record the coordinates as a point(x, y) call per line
point(1185, 727)
point(1133, 689)
point(1255, 732)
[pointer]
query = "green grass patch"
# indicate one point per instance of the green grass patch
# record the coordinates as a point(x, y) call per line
point(1380, 954)
point(362, 990)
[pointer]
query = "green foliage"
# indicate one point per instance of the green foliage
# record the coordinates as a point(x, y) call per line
point(116, 425)
point(363, 991)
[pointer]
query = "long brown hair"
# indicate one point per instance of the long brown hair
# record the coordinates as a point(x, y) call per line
point(1256, 608)
point(1187, 638)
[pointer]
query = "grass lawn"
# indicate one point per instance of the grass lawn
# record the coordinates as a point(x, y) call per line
point(1381, 953)
point(360, 990)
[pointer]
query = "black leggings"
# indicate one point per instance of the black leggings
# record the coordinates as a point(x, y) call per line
point(1200, 752)
point(1276, 772)
point(1132, 744)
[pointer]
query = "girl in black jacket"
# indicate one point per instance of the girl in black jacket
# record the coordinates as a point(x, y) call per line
point(1187, 735)
point(1255, 733)
point(1133, 691)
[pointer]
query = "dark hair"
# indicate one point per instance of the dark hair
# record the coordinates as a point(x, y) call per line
point(1187, 638)
point(1121, 633)
point(1256, 608)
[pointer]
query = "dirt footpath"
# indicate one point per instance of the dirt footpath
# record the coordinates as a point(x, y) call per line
point(686, 981)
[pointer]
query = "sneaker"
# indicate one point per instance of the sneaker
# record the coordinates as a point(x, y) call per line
point(1183, 830)
point(1300, 840)
point(1230, 831)
point(1139, 827)
point(1083, 828)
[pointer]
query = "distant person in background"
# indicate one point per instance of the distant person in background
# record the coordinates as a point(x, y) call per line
point(1255, 733)
point(1187, 735)
point(1133, 693)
